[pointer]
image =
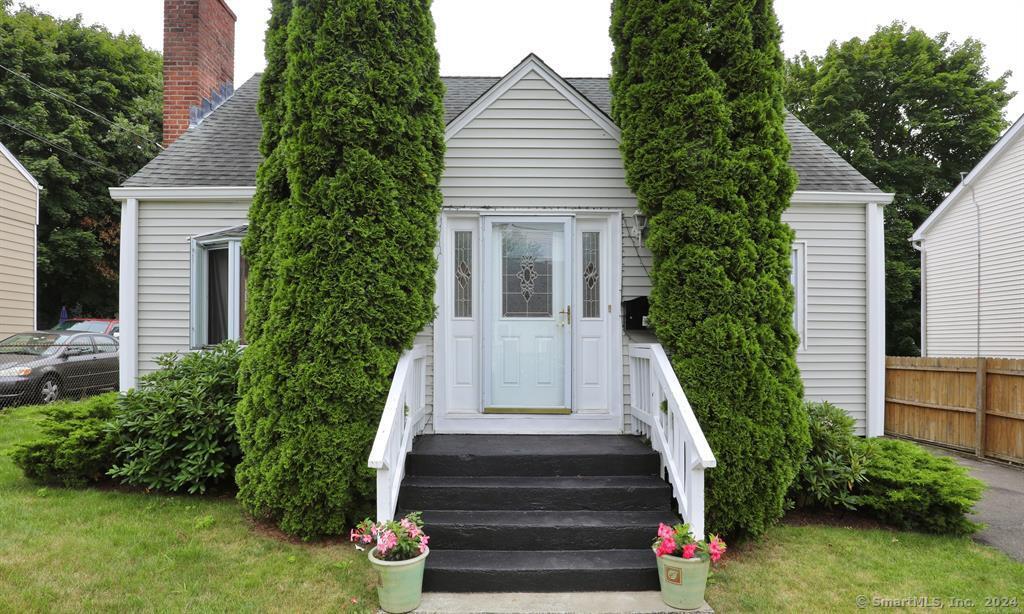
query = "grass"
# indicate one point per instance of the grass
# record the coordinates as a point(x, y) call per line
point(819, 568)
point(110, 550)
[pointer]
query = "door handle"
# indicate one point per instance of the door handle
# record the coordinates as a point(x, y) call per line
point(567, 312)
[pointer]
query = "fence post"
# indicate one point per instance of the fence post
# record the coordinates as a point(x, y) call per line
point(980, 404)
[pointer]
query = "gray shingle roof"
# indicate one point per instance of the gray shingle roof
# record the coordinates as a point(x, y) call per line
point(223, 150)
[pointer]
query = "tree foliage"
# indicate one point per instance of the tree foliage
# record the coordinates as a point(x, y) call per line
point(75, 155)
point(911, 112)
point(344, 250)
point(697, 91)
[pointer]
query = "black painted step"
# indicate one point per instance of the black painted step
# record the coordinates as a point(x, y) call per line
point(543, 530)
point(597, 493)
point(530, 455)
point(540, 571)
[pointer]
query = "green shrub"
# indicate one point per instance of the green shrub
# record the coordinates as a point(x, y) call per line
point(344, 252)
point(176, 429)
point(836, 462)
point(911, 488)
point(78, 444)
point(697, 92)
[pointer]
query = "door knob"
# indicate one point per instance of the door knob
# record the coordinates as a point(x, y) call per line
point(567, 312)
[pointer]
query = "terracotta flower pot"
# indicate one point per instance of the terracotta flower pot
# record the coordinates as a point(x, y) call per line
point(683, 581)
point(401, 582)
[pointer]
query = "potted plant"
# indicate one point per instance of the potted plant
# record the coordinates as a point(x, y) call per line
point(683, 565)
point(399, 556)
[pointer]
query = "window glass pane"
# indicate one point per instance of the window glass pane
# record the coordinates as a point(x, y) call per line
point(463, 274)
point(105, 345)
point(243, 294)
point(216, 296)
point(526, 268)
point(591, 275)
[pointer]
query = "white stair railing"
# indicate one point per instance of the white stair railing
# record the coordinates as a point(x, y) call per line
point(661, 412)
point(403, 419)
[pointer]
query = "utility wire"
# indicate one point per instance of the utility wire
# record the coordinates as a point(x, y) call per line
point(32, 134)
point(70, 101)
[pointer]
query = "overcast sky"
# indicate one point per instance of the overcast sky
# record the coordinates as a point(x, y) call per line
point(488, 37)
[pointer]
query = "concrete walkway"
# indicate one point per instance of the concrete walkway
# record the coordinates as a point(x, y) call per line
point(646, 602)
point(1002, 505)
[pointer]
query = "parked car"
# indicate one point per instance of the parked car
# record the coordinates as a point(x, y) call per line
point(92, 325)
point(44, 366)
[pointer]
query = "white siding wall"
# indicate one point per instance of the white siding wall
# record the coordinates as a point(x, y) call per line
point(17, 251)
point(951, 266)
point(163, 269)
point(533, 148)
point(833, 359)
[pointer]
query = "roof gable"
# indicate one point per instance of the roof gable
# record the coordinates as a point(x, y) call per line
point(531, 65)
point(6, 153)
point(1003, 144)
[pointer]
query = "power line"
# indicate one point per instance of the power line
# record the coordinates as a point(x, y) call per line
point(70, 101)
point(35, 135)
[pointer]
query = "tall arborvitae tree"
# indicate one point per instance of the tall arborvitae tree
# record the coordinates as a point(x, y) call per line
point(697, 91)
point(352, 260)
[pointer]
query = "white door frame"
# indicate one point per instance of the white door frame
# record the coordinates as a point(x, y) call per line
point(457, 405)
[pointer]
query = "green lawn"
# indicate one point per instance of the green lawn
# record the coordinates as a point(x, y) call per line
point(102, 550)
point(105, 550)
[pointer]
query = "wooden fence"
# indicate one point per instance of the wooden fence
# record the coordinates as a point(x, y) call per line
point(970, 404)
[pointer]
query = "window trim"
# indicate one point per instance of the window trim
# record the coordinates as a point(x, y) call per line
point(799, 280)
point(198, 299)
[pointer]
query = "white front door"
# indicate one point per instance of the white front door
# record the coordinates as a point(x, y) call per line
point(528, 317)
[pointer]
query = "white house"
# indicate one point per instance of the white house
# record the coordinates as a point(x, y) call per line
point(539, 333)
point(19, 219)
point(972, 259)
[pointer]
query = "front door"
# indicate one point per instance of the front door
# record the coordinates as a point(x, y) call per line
point(527, 323)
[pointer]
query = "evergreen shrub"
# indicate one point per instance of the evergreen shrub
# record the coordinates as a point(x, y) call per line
point(697, 92)
point(77, 444)
point(345, 251)
point(176, 429)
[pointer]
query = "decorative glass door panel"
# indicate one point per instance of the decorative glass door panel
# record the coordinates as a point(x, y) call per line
point(529, 316)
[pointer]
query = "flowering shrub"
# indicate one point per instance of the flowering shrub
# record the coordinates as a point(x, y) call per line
point(396, 540)
point(678, 541)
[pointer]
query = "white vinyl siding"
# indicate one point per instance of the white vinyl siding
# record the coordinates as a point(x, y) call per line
point(833, 353)
point(532, 147)
point(950, 265)
point(163, 270)
point(17, 250)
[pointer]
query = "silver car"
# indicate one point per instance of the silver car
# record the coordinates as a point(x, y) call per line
point(44, 366)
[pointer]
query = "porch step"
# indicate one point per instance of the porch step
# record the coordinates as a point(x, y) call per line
point(458, 571)
point(543, 530)
point(530, 455)
point(537, 513)
point(595, 493)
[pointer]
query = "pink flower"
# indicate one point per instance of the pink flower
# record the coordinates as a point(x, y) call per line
point(665, 531)
point(688, 550)
point(716, 547)
point(386, 540)
point(411, 528)
point(355, 535)
point(424, 540)
point(666, 546)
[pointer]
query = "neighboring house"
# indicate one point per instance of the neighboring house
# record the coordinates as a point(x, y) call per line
point(540, 251)
point(19, 218)
point(972, 259)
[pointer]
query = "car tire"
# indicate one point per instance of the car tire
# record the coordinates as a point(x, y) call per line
point(50, 390)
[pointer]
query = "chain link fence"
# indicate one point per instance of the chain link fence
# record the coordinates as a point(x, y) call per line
point(43, 367)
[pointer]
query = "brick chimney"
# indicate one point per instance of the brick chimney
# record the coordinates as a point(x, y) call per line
point(199, 61)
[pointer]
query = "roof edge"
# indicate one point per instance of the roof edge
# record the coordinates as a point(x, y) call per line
point(18, 166)
point(827, 197)
point(979, 168)
point(184, 193)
